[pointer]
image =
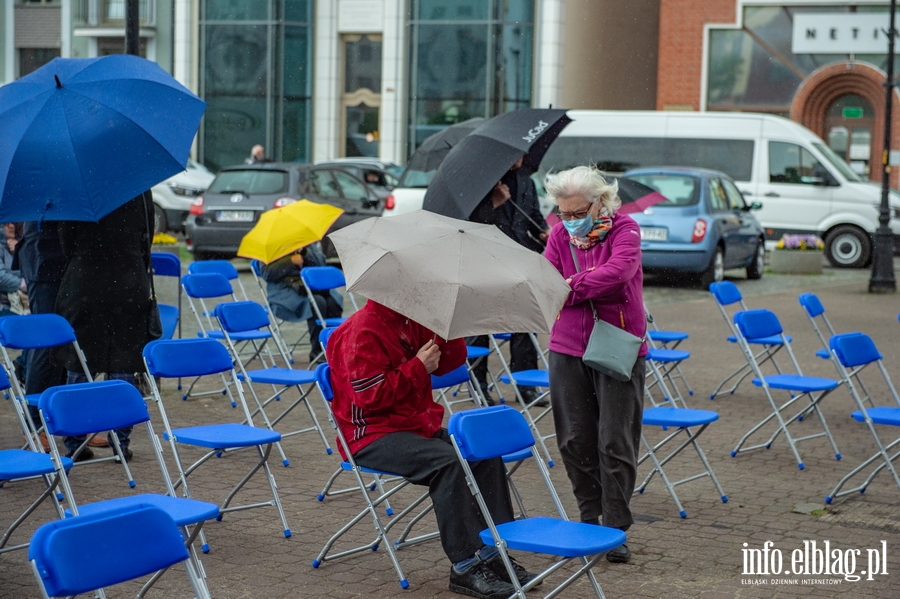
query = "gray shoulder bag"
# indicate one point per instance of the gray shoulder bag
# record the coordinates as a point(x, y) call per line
point(610, 350)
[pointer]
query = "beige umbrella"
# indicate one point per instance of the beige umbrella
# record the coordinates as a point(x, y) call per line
point(455, 277)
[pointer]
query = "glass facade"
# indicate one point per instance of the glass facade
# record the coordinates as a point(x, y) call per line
point(468, 58)
point(255, 71)
point(755, 69)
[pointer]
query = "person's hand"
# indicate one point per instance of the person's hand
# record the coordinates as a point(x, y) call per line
point(544, 234)
point(23, 287)
point(429, 354)
point(499, 194)
point(297, 260)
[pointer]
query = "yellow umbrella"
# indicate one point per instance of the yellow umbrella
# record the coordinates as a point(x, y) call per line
point(282, 230)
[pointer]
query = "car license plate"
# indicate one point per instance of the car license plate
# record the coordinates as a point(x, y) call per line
point(234, 216)
point(654, 234)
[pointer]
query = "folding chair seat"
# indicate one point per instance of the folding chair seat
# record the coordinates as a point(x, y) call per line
point(457, 379)
point(33, 331)
point(201, 357)
point(62, 567)
point(538, 379)
point(756, 324)
point(682, 420)
point(238, 317)
point(500, 430)
point(853, 353)
point(168, 265)
point(323, 380)
point(726, 293)
point(663, 347)
point(668, 361)
point(114, 404)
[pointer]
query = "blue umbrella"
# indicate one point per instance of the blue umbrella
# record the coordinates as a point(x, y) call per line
point(79, 137)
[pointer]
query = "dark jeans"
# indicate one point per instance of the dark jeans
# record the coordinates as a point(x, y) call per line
point(598, 432)
point(42, 371)
point(433, 462)
point(329, 309)
point(523, 355)
point(73, 443)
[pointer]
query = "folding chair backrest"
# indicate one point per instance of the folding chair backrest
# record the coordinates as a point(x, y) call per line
point(165, 264)
point(811, 304)
point(173, 358)
point(35, 331)
point(323, 380)
point(222, 267)
point(325, 335)
point(725, 292)
point(755, 324)
point(490, 432)
point(322, 278)
point(236, 317)
point(85, 408)
point(65, 568)
point(256, 268)
point(206, 285)
point(854, 349)
point(4, 379)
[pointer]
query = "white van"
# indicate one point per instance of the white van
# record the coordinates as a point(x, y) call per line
point(803, 186)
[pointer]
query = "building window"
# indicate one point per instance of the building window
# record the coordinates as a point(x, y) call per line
point(255, 64)
point(116, 45)
point(31, 59)
point(468, 58)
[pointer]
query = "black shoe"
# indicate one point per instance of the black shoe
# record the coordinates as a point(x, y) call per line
point(127, 453)
point(619, 555)
point(85, 455)
point(488, 400)
point(524, 576)
point(480, 581)
point(529, 395)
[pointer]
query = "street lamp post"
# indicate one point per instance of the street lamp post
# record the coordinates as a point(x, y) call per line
point(133, 28)
point(882, 280)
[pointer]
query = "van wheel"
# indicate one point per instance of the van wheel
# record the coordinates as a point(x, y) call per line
point(715, 272)
point(847, 246)
point(755, 270)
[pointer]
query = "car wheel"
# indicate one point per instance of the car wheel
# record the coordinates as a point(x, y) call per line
point(715, 272)
point(847, 246)
point(755, 270)
point(159, 220)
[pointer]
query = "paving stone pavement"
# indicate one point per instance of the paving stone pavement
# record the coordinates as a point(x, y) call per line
point(700, 556)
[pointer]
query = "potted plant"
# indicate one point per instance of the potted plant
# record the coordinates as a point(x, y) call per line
point(798, 254)
point(163, 242)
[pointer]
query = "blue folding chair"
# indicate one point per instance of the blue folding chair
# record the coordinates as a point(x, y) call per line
point(201, 357)
point(220, 267)
point(168, 265)
point(110, 405)
point(668, 359)
point(238, 317)
point(760, 324)
point(277, 321)
point(726, 293)
point(457, 379)
point(852, 353)
point(486, 433)
point(63, 568)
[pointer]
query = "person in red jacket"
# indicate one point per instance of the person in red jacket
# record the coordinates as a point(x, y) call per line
point(381, 366)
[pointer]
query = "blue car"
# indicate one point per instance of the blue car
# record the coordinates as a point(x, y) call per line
point(705, 228)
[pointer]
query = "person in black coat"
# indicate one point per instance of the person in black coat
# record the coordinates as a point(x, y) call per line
point(105, 295)
point(512, 206)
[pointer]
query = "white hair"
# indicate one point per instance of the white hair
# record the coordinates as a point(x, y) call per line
point(585, 181)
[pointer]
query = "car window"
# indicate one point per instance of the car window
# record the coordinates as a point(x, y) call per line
point(322, 184)
point(680, 190)
point(250, 181)
point(735, 198)
point(353, 189)
point(790, 163)
point(717, 198)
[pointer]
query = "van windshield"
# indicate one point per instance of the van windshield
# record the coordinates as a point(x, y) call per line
point(836, 161)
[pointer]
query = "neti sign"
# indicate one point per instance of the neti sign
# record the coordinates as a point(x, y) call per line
point(841, 33)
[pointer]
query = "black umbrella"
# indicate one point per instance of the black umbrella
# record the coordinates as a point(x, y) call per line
point(434, 149)
point(477, 162)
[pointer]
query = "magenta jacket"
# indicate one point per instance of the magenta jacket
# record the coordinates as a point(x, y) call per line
point(615, 285)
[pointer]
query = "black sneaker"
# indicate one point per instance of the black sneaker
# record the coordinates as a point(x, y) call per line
point(524, 576)
point(488, 400)
point(480, 581)
point(529, 395)
point(85, 455)
point(619, 555)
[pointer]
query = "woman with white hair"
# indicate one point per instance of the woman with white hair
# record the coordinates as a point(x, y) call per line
point(597, 418)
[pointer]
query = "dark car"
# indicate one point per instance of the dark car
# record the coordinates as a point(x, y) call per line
point(220, 218)
point(381, 176)
point(703, 229)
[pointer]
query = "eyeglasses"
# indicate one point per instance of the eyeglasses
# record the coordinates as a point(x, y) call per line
point(574, 215)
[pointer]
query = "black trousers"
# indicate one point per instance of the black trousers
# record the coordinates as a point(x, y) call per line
point(598, 432)
point(433, 463)
point(42, 371)
point(523, 355)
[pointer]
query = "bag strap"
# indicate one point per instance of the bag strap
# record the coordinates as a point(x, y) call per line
point(578, 269)
point(148, 205)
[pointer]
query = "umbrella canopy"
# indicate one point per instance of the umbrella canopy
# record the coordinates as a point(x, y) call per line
point(79, 137)
point(455, 277)
point(434, 149)
point(637, 197)
point(283, 230)
point(476, 163)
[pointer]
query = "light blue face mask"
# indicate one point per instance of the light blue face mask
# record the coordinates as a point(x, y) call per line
point(579, 227)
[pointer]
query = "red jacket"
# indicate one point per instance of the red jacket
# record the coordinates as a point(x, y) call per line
point(379, 385)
